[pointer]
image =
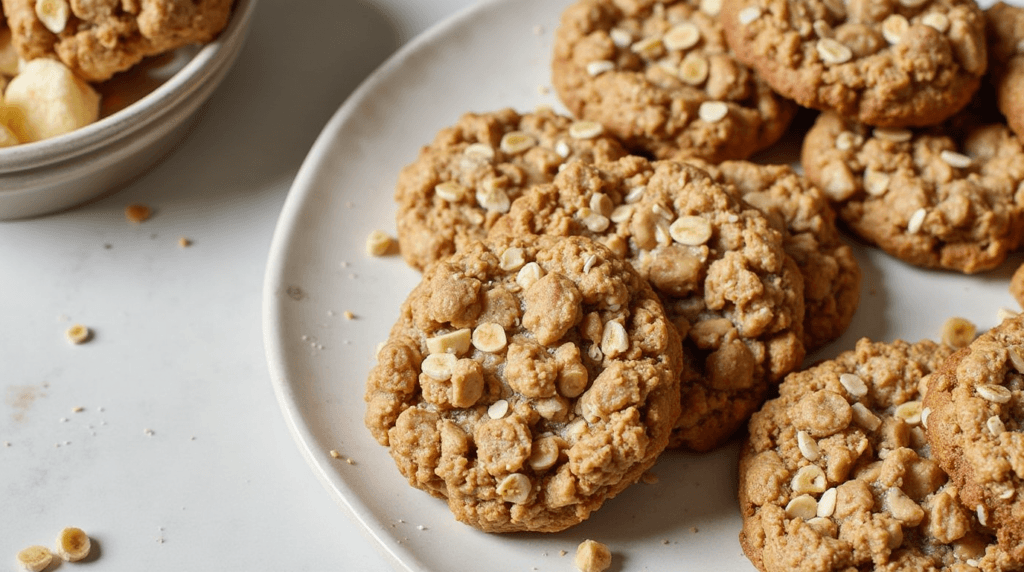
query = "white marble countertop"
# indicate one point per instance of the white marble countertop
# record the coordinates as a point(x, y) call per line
point(179, 458)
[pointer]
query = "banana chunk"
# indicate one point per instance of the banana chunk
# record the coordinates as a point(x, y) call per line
point(73, 544)
point(35, 558)
point(46, 100)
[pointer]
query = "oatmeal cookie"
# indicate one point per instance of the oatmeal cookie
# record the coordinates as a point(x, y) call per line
point(527, 381)
point(98, 38)
point(836, 475)
point(660, 76)
point(976, 405)
point(941, 197)
point(1006, 58)
point(880, 62)
point(802, 213)
point(467, 178)
point(1017, 285)
point(717, 264)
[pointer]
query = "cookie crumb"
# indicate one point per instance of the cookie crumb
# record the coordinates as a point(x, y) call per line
point(378, 243)
point(137, 213)
point(148, 432)
point(649, 478)
point(592, 556)
point(562, 553)
point(694, 529)
point(349, 315)
point(958, 332)
point(335, 454)
point(77, 409)
point(78, 334)
point(184, 242)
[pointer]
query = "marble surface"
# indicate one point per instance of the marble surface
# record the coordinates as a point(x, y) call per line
point(179, 458)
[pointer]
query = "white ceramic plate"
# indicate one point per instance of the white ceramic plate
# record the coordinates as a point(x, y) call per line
point(494, 55)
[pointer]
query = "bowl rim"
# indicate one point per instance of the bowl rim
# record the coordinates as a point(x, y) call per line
point(139, 113)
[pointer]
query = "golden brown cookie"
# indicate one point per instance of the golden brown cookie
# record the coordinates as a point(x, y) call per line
point(880, 62)
point(526, 381)
point(469, 175)
point(975, 406)
point(802, 213)
point(98, 38)
point(717, 264)
point(939, 197)
point(1017, 285)
point(836, 473)
point(660, 76)
point(1006, 58)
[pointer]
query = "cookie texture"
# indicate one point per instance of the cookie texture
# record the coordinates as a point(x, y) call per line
point(660, 76)
point(526, 381)
point(976, 404)
point(836, 473)
point(940, 197)
point(879, 62)
point(1006, 57)
point(1017, 285)
point(807, 222)
point(98, 38)
point(717, 264)
point(470, 174)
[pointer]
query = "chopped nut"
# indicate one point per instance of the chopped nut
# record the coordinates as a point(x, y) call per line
point(894, 27)
point(592, 556)
point(544, 453)
point(515, 488)
point(378, 243)
point(498, 409)
point(827, 503)
point(958, 160)
point(958, 332)
point(803, 506)
point(864, 417)
point(614, 340)
point(512, 259)
point(994, 393)
point(598, 67)
point(479, 151)
point(516, 142)
point(601, 204)
point(808, 446)
point(853, 384)
point(137, 213)
point(621, 38)
point(876, 183)
point(690, 230)
point(35, 558)
point(439, 366)
point(916, 221)
point(528, 274)
point(456, 342)
point(450, 191)
point(809, 479)
point(53, 14)
point(585, 129)
point(694, 69)
point(682, 36)
point(832, 52)
point(936, 20)
point(712, 111)
point(78, 334)
point(995, 426)
point(910, 412)
point(893, 135)
point(489, 337)
point(749, 14)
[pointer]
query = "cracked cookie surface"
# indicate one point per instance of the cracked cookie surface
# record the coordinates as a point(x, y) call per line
point(880, 62)
point(717, 264)
point(939, 197)
point(526, 381)
point(836, 473)
point(469, 175)
point(976, 404)
point(660, 76)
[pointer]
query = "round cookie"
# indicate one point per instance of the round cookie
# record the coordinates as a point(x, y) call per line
point(660, 76)
point(526, 381)
point(717, 264)
point(98, 38)
point(881, 62)
point(975, 423)
point(835, 473)
point(942, 197)
point(802, 213)
point(469, 175)
point(1006, 58)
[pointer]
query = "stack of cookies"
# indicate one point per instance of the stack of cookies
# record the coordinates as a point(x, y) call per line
point(602, 287)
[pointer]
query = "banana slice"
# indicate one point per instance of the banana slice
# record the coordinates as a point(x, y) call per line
point(35, 558)
point(73, 544)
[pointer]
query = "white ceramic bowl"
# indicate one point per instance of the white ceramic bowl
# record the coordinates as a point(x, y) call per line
point(65, 171)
